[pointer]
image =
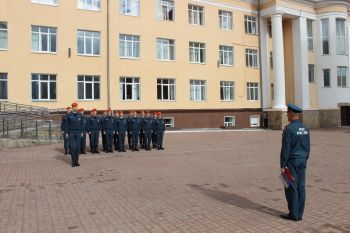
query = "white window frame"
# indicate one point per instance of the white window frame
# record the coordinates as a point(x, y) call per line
point(271, 60)
point(251, 58)
point(4, 33)
point(342, 76)
point(46, 2)
point(89, 37)
point(129, 41)
point(129, 7)
point(226, 89)
point(325, 37)
point(226, 55)
point(164, 9)
point(90, 5)
point(258, 121)
point(168, 86)
point(95, 79)
point(196, 90)
point(196, 15)
point(39, 35)
point(172, 122)
point(310, 34)
point(311, 73)
point(165, 49)
point(341, 36)
point(250, 25)
point(135, 87)
point(231, 123)
point(329, 76)
point(4, 79)
point(226, 20)
point(252, 91)
point(197, 52)
point(52, 78)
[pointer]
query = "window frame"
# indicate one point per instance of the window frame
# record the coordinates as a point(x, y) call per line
point(255, 89)
point(40, 35)
point(169, 46)
point(130, 4)
point(343, 84)
point(196, 14)
point(310, 38)
point(4, 79)
point(172, 120)
point(224, 55)
point(92, 39)
point(226, 123)
point(198, 50)
point(329, 77)
point(311, 73)
point(123, 88)
point(167, 6)
point(6, 33)
point(232, 89)
point(135, 46)
point(168, 85)
point(95, 79)
point(44, 2)
point(252, 56)
point(251, 21)
point(226, 20)
point(325, 38)
point(198, 89)
point(39, 87)
point(250, 121)
point(340, 37)
point(83, 5)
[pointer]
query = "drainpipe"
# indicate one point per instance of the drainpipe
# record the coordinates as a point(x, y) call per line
point(108, 55)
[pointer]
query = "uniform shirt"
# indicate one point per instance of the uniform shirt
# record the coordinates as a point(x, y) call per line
point(160, 125)
point(108, 123)
point(148, 124)
point(121, 125)
point(74, 122)
point(84, 119)
point(63, 122)
point(135, 124)
point(94, 123)
point(295, 142)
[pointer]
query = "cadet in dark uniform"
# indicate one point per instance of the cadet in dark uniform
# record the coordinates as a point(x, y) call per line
point(135, 127)
point(63, 129)
point(160, 129)
point(115, 136)
point(121, 126)
point(94, 127)
point(129, 127)
point(103, 135)
point(294, 155)
point(108, 130)
point(142, 130)
point(83, 138)
point(154, 131)
point(148, 129)
point(74, 126)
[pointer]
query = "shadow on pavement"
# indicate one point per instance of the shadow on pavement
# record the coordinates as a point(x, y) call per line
point(64, 158)
point(236, 200)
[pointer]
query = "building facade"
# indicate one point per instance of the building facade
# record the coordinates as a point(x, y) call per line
point(204, 63)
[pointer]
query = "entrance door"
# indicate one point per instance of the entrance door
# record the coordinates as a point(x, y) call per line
point(345, 115)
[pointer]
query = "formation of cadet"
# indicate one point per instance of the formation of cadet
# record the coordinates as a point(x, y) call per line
point(142, 130)
point(294, 156)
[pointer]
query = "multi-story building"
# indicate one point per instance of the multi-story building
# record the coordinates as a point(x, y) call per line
point(204, 63)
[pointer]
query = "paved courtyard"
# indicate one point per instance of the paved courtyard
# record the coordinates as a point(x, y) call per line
point(203, 182)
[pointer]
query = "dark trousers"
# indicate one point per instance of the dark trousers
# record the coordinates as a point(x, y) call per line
point(121, 140)
point(109, 140)
point(160, 136)
point(154, 139)
point(142, 139)
point(130, 140)
point(94, 140)
point(296, 193)
point(135, 138)
point(74, 146)
point(148, 138)
point(103, 140)
point(65, 142)
point(115, 141)
point(83, 142)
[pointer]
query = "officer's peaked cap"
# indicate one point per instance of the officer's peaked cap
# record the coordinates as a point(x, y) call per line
point(294, 108)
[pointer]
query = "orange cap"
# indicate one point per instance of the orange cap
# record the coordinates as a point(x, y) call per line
point(159, 113)
point(69, 107)
point(74, 104)
point(94, 109)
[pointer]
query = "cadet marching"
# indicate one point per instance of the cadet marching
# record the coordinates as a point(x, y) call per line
point(142, 131)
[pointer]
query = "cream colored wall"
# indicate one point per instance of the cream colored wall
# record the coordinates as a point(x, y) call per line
point(289, 60)
point(313, 86)
point(332, 9)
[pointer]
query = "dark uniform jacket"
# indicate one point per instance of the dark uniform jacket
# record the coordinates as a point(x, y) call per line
point(108, 123)
point(135, 124)
point(121, 124)
point(63, 122)
point(84, 119)
point(160, 125)
point(93, 123)
point(148, 124)
point(74, 122)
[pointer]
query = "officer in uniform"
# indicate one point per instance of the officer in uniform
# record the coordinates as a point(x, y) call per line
point(63, 129)
point(74, 129)
point(154, 131)
point(129, 131)
point(135, 127)
point(142, 130)
point(160, 129)
point(102, 131)
point(121, 128)
point(115, 136)
point(108, 130)
point(148, 129)
point(83, 138)
point(294, 155)
point(94, 127)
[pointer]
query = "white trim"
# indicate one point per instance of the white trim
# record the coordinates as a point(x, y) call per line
point(172, 125)
point(285, 10)
point(227, 6)
point(234, 121)
point(250, 120)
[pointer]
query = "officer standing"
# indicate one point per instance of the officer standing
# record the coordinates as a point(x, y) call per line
point(83, 138)
point(148, 129)
point(74, 127)
point(115, 136)
point(142, 130)
point(63, 129)
point(103, 135)
point(94, 127)
point(294, 155)
point(121, 128)
point(108, 130)
point(129, 129)
point(154, 131)
point(160, 129)
point(135, 127)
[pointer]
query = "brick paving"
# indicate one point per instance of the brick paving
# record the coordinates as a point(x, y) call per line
point(203, 182)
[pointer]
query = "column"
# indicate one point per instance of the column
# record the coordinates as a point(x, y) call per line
point(278, 61)
point(264, 64)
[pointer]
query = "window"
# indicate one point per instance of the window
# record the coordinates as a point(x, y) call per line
point(229, 121)
point(165, 49)
point(311, 73)
point(325, 36)
point(254, 121)
point(250, 25)
point(310, 34)
point(342, 76)
point(340, 29)
point(169, 121)
point(44, 39)
point(252, 91)
point(3, 86)
point(226, 55)
point(88, 87)
point(272, 91)
point(43, 87)
point(92, 5)
point(269, 28)
point(130, 7)
point(225, 19)
point(271, 60)
point(3, 35)
point(165, 89)
point(166, 10)
point(195, 15)
point(326, 78)
point(251, 57)
point(129, 46)
point(88, 43)
point(197, 52)
point(46, 2)
point(197, 90)
point(227, 90)
point(129, 88)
